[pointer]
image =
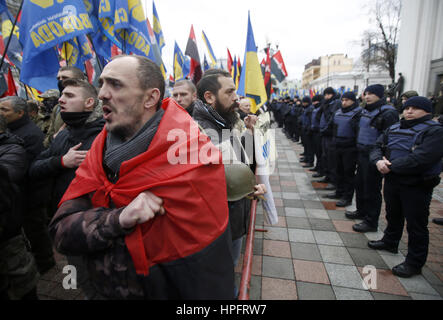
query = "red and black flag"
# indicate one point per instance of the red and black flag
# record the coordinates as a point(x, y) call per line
point(262, 66)
point(230, 62)
point(192, 52)
point(278, 68)
point(268, 83)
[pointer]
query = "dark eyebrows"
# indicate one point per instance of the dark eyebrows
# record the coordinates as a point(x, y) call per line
point(110, 80)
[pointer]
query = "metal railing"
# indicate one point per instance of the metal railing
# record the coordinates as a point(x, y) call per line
point(247, 259)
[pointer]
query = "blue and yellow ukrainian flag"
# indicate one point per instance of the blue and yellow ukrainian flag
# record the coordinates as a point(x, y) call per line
point(206, 66)
point(210, 51)
point(158, 29)
point(180, 65)
point(252, 84)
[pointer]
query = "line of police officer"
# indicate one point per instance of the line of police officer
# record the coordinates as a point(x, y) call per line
point(357, 147)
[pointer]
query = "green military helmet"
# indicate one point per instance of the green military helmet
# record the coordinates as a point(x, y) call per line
point(51, 93)
point(240, 181)
point(409, 94)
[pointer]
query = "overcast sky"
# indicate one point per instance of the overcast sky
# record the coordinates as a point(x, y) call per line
point(304, 30)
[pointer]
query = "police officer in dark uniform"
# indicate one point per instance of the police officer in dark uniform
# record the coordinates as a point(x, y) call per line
point(409, 154)
point(330, 105)
point(290, 120)
point(376, 117)
point(276, 110)
point(316, 138)
point(306, 133)
point(346, 122)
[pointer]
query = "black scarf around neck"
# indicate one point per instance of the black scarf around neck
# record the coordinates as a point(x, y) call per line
point(119, 151)
point(75, 119)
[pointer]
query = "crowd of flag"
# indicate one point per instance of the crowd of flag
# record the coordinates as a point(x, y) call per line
point(47, 34)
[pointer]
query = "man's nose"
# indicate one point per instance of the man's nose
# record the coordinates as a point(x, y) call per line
point(104, 92)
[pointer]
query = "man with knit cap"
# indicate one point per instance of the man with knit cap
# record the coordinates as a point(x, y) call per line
point(375, 118)
point(346, 122)
point(409, 154)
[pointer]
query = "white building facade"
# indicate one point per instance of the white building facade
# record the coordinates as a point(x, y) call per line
point(355, 80)
point(420, 50)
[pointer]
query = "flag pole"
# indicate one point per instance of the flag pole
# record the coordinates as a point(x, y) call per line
point(66, 53)
point(86, 70)
point(10, 35)
point(26, 91)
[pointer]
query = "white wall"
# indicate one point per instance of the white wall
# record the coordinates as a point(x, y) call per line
point(421, 41)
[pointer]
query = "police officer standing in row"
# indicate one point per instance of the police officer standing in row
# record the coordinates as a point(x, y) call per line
point(316, 137)
point(346, 122)
point(306, 133)
point(376, 117)
point(409, 154)
point(330, 105)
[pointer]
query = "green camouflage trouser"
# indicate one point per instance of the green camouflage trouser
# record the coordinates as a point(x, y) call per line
point(18, 271)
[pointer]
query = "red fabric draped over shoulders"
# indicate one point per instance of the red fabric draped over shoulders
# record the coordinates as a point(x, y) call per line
point(193, 192)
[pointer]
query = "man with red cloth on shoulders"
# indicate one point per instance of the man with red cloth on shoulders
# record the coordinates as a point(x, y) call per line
point(148, 227)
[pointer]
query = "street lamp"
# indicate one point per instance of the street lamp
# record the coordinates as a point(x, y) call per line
point(327, 81)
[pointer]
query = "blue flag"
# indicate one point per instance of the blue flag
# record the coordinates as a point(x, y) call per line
point(181, 64)
point(205, 64)
point(15, 49)
point(76, 51)
point(210, 51)
point(155, 49)
point(124, 23)
point(44, 25)
point(252, 84)
point(3, 6)
point(101, 43)
point(158, 29)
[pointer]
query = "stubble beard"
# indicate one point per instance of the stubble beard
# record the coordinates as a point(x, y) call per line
point(228, 115)
point(126, 131)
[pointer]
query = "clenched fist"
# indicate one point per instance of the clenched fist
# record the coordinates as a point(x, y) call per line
point(142, 209)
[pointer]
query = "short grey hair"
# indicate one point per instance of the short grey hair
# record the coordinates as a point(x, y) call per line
point(188, 83)
point(18, 104)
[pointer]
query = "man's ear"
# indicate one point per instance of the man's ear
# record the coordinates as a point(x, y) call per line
point(89, 104)
point(152, 97)
point(210, 97)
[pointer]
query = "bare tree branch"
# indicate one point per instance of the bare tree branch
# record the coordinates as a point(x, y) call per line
point(381, 46)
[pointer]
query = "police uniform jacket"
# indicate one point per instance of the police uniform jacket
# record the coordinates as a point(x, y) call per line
point(420, 164)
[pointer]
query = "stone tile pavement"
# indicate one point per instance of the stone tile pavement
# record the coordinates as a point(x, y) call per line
point(313, 253)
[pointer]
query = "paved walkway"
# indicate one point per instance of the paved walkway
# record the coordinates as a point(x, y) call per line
point(313, 253)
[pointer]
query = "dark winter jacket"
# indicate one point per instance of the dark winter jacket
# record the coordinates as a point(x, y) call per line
point(36, 190)
point(327, 111)
point(381, 122)
point(49, 163)
point(427, 152)
point(213, 123)
point(12, 174)
point(354, 122)
point(31, 135)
